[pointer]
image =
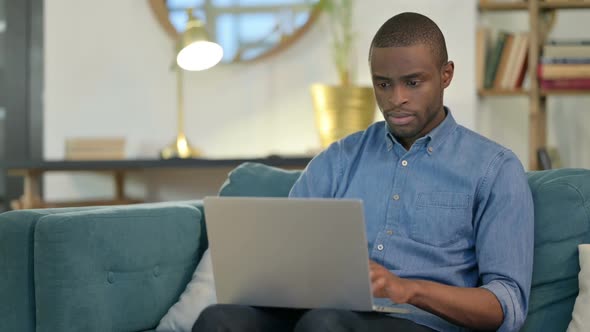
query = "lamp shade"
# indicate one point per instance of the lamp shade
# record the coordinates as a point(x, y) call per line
point(195, 50)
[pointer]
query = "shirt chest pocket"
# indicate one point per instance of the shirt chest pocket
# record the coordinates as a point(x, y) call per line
point(441, 218)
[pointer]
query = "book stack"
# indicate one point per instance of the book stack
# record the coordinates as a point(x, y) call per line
point(565, 65)
point(501, 59)
point(98, 148)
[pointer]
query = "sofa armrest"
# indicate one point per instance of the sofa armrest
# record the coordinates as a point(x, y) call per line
point(17, 300)
point(119, 268)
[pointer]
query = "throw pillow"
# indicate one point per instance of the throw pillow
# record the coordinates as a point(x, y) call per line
point(580, 318)
point(199, 294)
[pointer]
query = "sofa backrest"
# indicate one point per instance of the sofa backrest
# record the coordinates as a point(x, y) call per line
point(259, 180)
point(562, 221)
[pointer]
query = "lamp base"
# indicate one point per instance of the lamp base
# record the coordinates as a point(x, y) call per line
point(180, 148)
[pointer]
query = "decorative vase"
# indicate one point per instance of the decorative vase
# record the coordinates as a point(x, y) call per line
point(342, 110)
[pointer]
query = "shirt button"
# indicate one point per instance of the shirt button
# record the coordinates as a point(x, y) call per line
point(389, 232)
point(380, 247)
point(396, 197)
point(430, 149)
point(404, 163)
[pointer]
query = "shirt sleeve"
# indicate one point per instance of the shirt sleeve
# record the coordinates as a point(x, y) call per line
point(504, 231)
point(320, 177)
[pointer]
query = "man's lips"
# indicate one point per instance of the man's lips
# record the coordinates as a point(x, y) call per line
point(400, 119)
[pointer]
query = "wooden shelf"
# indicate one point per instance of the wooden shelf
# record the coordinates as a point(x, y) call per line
point(565, 5)
point(502, 6)
point(499, 6)
point(497, 92)
point(565, 92)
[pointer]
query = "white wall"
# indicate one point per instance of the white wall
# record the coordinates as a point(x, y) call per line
point(107, 74)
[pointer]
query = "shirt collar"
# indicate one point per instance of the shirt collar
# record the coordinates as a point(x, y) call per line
point(435, 137)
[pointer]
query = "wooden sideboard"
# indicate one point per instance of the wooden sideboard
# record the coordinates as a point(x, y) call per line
point(32, 173)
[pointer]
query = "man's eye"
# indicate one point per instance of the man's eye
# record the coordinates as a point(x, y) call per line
point(383, 85)
point(412, 83)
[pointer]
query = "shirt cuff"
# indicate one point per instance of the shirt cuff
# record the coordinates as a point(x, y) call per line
point(513, 313)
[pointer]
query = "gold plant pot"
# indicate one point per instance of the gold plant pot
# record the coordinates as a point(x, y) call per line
point(342, 110)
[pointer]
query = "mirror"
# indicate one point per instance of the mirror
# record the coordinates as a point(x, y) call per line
point(248, 30)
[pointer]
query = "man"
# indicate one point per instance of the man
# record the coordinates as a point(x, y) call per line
point(449, 214)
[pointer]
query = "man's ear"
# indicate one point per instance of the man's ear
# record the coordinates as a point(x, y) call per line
point(447, 74)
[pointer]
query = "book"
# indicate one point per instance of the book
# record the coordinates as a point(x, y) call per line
point(567, 1)
point(522, 62)
point(565, 84)
point(493, 59)
point(482, 43)
point(566, 51)
point(549, 60)
point(504, 60)
point(557, 71)
point(513, 67)
point(568, 41)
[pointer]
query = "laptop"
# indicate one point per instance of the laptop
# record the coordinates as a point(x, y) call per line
point(290, 253)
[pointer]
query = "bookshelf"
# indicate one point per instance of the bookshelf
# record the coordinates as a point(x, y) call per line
point(537, 97)
point(501, 92)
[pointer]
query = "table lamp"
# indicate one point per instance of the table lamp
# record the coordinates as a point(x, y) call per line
point(195, 52)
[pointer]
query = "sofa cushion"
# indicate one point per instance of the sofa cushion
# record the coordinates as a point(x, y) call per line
point(255, 179)
point(562, 222)
point(114, 268)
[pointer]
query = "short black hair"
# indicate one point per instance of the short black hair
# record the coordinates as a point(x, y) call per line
point(408, 29)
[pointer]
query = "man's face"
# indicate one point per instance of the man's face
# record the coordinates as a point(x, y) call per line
point(409, 83)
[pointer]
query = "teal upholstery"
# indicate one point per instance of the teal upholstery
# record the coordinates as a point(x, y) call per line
point(17, 299)
point(121, 268)
point(562, 222)
point(95, 269)
point(253, 179)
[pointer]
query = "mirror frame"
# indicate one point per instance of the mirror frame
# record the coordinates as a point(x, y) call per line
point(160, 10)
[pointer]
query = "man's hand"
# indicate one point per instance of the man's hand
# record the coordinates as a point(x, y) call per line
point(386, 284)
point(474, 308)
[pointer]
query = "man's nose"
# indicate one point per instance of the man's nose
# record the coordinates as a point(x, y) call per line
point(398, 95)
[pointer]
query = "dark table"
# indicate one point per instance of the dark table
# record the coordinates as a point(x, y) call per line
point(32, 172)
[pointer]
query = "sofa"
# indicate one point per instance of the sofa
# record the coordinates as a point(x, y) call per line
point(119, 268)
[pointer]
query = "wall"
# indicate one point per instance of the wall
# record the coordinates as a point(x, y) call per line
point(107, 74)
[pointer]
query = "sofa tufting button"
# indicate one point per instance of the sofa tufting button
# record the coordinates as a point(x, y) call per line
point(111, 277)
point(156, 271)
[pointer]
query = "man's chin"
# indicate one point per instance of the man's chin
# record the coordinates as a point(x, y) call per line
point(402, 133)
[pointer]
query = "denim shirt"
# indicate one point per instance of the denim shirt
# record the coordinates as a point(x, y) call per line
point(455, 208)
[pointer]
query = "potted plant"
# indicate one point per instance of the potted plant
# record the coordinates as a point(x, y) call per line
point(345, 108)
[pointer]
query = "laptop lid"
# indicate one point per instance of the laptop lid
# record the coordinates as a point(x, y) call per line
point(291, 253)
